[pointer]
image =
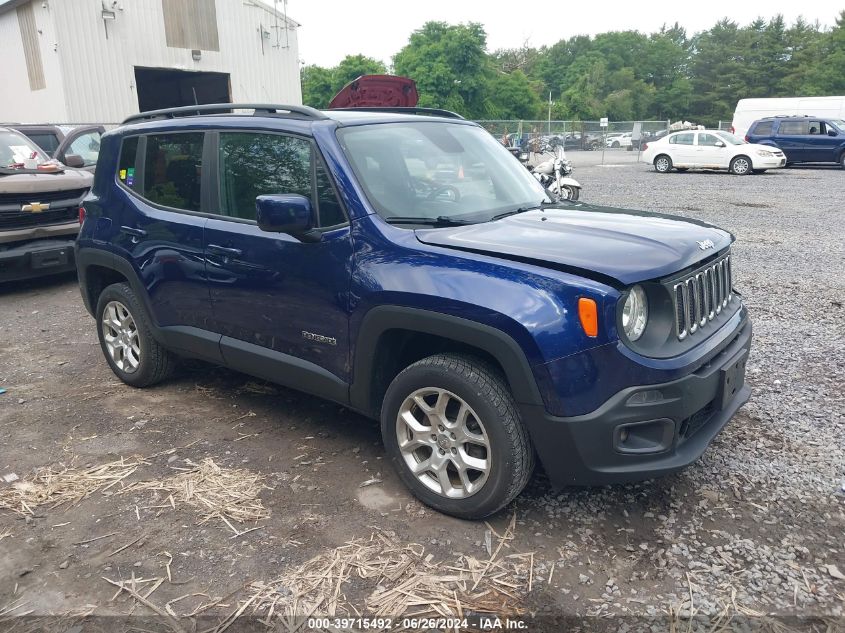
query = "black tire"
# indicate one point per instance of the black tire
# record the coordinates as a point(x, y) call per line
point(155, 362)
point(484, 390)
point(662, 164)
point(741, 165)
point(615, 145)
point(842, 160)
point(574, 192)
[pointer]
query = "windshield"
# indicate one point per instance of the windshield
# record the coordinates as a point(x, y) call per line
point(18, 151)
point(438, 171)
point(730, 138)
point(839, 123)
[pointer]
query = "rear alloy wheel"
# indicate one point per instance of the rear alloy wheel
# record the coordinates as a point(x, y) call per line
point(842, 160)
point(663, 164)
point(741, 166)
point(452, 432)
point(125, 338)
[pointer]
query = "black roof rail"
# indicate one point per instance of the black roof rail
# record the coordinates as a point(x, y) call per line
point(788, 116)
point(296, 111)
point(399, 110)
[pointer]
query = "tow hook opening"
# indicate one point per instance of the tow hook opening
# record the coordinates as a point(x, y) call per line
point(638, 438)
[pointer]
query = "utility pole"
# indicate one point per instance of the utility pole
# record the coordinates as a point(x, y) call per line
point(550, 112)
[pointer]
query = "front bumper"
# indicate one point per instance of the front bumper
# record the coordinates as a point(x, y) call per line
point(644, 431)
point(36, 258)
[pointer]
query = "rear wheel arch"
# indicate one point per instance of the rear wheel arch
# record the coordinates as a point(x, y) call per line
point(393, 337)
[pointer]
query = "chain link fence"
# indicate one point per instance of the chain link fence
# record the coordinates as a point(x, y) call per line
point(575, 135)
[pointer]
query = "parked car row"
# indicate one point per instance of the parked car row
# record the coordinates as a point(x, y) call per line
point(771, 143)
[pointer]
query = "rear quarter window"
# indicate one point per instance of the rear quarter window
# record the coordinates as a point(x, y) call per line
point(126, 162)
point(764, 128)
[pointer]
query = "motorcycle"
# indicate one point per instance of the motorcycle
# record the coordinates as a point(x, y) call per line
point(554, 175)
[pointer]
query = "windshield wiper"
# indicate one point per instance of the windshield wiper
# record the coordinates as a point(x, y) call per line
point(443, 220)
point(530, 207)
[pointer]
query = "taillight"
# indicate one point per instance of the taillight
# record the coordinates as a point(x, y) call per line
point(732, 130)
point(746, 138)
point(81, 215)
point(644, 147)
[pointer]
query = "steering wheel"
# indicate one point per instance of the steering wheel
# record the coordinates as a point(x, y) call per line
point(453, 194)
point(432, 191)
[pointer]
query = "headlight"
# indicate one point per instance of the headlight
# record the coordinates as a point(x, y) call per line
point(762, 152)
point(635, 313)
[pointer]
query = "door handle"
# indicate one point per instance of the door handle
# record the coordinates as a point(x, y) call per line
point(136, 234)
point(224, 251)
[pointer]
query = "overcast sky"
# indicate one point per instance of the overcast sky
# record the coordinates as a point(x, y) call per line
point(332, 29)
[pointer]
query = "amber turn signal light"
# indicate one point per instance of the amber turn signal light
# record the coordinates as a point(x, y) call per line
point(589, 315)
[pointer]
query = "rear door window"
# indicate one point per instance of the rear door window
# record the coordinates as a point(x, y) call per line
point(793, 128)
point(126, 163)
point(686, 138)
point(173, 169)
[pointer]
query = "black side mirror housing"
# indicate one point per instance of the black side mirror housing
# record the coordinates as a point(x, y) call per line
point(74, 160)
point(287, 213)
point(832, 133)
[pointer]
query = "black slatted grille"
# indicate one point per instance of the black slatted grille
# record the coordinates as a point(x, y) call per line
point(702, 295)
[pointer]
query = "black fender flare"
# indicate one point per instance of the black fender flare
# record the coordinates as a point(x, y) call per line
point(498, 344)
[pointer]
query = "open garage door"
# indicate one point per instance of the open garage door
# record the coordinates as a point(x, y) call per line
point(165, 88)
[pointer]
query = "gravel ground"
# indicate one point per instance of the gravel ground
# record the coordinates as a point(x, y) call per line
point(757, 526)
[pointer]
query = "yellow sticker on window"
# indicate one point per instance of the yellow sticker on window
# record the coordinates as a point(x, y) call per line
point(123, 174)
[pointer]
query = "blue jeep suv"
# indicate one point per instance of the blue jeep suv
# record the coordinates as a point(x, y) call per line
point(404, 265)
point(804, 139)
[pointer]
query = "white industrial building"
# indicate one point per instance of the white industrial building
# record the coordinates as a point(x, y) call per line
point(98, 61)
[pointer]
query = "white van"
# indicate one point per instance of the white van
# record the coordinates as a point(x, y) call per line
point(750, 110)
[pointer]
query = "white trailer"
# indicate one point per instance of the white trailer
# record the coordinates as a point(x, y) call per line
point(750, 110)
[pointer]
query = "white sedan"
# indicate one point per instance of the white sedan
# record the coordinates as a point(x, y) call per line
point(619, 139)
point(710, 149)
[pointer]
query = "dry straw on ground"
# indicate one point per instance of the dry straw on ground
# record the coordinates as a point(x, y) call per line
point(394, 580)
point(225, 493)
point(58, 485)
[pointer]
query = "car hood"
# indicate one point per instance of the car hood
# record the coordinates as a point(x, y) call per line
point(377, 91)
point(34, 183)
point(616, 245)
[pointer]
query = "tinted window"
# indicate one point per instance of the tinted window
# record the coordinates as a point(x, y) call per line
point(709, 139)
point(172, 168)
point(253, 164)
point(764, 128)
point(330, 211)
point(46, 141)
point(126, 163)
point(791, 128)
point(682, 139)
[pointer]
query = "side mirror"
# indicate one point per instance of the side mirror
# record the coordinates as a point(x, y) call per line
point(286, 213)
point(74, 160)
point(720, 144)
point(832, 133)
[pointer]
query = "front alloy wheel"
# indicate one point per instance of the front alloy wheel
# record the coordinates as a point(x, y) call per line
point(741, 166)
point(120, 335)
point(453, 432)
point(443, 443)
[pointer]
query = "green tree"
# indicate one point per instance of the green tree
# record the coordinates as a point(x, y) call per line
point(512, 96)
point(450, 66)
point(316, 86)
